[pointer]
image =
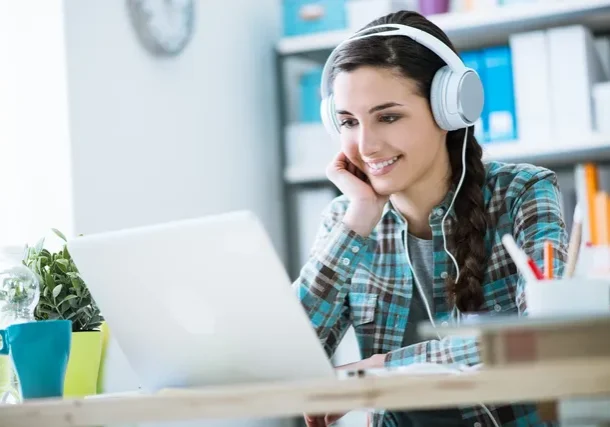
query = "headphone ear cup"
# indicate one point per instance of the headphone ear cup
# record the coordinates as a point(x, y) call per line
point(438, 97)
point(327, 113)
point(456, 98)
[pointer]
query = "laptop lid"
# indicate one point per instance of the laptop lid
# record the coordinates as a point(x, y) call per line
point(202, 301)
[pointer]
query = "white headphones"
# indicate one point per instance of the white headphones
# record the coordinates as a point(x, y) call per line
point(456, 96)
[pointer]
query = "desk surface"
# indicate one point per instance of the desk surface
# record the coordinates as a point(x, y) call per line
point(542, 381)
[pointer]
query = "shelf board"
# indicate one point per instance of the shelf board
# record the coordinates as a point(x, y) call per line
point(305, 175)
point(491, 26)
point(594, 148)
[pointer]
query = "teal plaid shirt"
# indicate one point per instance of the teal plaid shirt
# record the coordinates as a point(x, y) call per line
point(367, 283)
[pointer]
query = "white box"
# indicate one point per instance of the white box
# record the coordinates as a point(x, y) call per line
point(361, 12)
point(601, 102)
point(532, 89)
point(309, 148)
point(557, 297)
point(575, 68)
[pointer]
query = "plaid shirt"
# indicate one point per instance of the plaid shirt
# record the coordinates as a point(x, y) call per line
point(367, 282)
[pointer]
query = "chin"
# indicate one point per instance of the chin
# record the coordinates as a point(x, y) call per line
point(385, 188)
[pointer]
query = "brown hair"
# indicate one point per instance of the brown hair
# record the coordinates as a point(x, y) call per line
point(419, 63)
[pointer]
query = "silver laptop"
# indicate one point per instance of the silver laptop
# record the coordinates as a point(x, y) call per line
point(199, 302)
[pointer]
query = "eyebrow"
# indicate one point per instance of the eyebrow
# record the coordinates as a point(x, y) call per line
point(375, 108)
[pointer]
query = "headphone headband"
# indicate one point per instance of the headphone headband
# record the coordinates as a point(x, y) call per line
point(426, 39)
point(456, 93)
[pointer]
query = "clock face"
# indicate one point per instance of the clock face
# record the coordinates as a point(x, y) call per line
point(164, 27)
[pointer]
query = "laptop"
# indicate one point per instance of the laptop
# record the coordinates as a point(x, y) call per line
point(200, 302)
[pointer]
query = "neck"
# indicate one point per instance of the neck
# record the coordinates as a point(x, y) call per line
point(416, 202)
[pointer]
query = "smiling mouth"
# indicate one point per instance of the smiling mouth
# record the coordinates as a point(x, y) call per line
point(381, 168)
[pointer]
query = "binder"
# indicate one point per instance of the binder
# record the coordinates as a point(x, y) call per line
point(530, 66)
point(499, 95)
point(575, 67)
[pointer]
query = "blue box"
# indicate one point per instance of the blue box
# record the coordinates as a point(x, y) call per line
point(311, 16)
point(310, 96)
point(474, 59)
point(499, 94)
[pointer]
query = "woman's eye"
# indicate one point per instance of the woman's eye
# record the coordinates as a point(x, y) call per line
point(348, 123)
point(389, 119)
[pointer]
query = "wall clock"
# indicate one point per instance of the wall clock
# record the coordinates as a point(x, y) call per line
point(164, 27)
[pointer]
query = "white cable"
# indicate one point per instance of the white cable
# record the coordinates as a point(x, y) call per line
point(457, 190)
point(419, 289)
point(431, 367)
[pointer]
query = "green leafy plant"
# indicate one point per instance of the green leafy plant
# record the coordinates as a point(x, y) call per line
point(63, 293)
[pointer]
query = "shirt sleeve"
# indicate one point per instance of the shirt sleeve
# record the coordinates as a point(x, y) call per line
point(323, 282)
point(537, 217)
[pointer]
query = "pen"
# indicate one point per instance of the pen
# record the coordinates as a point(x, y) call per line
point(575, 241)
point(519, 258)
point(548, 260)
point(535, 269)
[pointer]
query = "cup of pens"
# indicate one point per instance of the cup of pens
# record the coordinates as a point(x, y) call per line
point(583, 289)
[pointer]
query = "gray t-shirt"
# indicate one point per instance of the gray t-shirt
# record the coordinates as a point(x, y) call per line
point(421, 255)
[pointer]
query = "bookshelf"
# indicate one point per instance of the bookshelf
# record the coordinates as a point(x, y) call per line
point(305, 185)
point(468, 30)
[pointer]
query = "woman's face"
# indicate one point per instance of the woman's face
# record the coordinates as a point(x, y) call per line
point(387, 129)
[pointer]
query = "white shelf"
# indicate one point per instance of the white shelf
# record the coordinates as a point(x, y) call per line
point(304, 175)
point(593, 148)
point(468, 30)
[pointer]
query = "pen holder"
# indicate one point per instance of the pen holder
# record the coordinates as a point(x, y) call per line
point(579, 295)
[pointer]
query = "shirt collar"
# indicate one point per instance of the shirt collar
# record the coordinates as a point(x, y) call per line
point(437, 213)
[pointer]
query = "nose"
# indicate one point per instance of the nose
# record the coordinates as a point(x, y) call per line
point(368, 142)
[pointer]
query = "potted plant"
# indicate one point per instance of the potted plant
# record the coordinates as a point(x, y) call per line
point(64, 295)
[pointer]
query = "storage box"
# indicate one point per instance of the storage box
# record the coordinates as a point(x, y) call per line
point(310, 96)
point(310, 16)
point(601, 103)
point(309, 149)
point(361, 12)
point(501, 123)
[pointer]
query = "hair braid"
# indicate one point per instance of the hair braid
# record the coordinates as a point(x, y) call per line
point(469, 232)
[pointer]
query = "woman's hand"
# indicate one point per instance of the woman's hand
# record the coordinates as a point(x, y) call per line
point(323, 420)
point(366, 206)
point(373, 362)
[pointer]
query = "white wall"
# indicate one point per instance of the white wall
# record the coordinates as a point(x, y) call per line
point(96, 134)
point(35, 172)
point(160, 139)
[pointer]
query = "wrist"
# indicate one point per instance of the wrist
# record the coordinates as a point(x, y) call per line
point(362, 218)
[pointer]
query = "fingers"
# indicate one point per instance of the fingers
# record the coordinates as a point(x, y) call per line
point(314, 421)
point(340, 162)
point(322, 421)
point(331, 418)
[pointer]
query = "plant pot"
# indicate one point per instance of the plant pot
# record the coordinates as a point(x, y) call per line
point(83, 364)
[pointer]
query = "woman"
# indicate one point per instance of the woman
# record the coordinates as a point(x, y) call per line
point(381, 262)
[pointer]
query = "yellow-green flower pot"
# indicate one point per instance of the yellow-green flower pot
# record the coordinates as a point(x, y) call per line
point(83, 364)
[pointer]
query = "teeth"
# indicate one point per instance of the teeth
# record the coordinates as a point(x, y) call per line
point(382, 165)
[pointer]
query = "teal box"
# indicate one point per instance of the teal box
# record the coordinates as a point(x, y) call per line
point(310, 96)
point(309, 16)
point(499, 95)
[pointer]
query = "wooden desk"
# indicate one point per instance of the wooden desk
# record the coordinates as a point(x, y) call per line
point(528, 382)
